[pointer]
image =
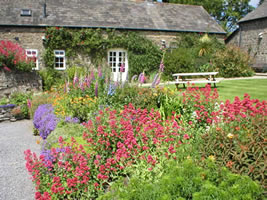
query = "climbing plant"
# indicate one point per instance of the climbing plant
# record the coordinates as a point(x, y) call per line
point(143, 54)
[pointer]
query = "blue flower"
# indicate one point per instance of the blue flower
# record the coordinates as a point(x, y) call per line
point(45, 120)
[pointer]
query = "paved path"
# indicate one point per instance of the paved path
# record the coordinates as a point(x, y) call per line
point(15, 138)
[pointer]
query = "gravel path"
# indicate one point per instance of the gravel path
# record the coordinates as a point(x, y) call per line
point(15, 138)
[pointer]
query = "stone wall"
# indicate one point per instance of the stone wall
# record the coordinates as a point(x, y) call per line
point(251, 41)
point(6, 113)
point(19, 81)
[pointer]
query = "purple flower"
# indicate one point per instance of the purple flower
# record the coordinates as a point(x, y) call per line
point(75, 79)
point(8, 106)
point(155, 80)
point(99, 72)
point(72, 120)
point(45, 120)
point(161, 66)
point(134, 78)
point(87, 81)
point(96, 89)
point(92, 76)
point(141, 77)
point(49, 156)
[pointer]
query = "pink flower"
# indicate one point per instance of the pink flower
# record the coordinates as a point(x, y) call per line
point(186, 137)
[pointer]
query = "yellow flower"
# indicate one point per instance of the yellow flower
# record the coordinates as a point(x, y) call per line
point(230, 135)
point(212, 158)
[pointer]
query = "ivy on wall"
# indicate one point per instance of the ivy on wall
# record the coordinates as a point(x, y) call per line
point(143, 54)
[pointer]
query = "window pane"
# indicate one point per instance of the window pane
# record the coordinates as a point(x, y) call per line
point(33, 52)
point(114, 53)
point(61, 59)
point(110, 53)
point(119, 53)
point(56, 59)
point(61, 65)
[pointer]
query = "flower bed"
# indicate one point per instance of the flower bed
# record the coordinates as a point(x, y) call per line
point(115, 143)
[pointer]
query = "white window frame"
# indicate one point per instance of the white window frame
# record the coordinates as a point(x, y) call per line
point(60, 54)
point(31, 56)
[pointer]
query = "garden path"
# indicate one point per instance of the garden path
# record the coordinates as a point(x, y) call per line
point(15, 138)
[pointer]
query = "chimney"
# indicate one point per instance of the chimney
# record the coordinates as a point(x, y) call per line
point(44, 10)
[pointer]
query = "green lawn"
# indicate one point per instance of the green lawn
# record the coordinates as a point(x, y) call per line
point(228, 89)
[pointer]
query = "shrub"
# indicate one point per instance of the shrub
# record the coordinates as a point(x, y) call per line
point(21, 100)
point(178, 61)
point(64, 129)
point(238, 140)
point(45, 120)
point(188, 181)
point(232, 62)
point(13, 57)
point(50, 77)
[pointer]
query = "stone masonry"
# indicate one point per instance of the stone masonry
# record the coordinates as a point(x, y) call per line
point(19, 81)
point(253, 39)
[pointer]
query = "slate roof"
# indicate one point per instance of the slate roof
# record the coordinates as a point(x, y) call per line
point(258, 13)
point(109, 14)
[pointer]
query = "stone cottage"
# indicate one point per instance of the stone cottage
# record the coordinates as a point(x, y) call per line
point(24, 22)
point(252, 36)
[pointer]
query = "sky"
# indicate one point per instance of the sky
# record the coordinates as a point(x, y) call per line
point(254, 3)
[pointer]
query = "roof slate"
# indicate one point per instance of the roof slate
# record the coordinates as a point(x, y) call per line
point(110, 14)
point(258, 13)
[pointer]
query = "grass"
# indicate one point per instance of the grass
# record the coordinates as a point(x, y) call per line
point(228, 89)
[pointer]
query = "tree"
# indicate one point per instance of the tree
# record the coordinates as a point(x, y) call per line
point(225, 12)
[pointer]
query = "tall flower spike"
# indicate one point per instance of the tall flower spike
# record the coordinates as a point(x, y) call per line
point(155, 80)
point(96, 89)
point(161, 66)
point(100, 75)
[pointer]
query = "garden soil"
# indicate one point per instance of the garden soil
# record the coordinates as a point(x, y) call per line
point(15, 138)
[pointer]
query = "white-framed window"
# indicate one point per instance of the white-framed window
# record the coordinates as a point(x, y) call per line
point(32, 54)
point(60, 59)
point(118, 62)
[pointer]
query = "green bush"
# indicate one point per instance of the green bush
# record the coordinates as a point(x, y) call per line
point(178, 61)
point(66, 130)
point(188, 181)
point(232, 62)
point(50, 77)
point(21, 99)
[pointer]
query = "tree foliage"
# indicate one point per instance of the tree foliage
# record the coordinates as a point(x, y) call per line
point(225, 12)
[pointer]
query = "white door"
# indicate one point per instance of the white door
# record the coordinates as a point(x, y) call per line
point(117, 58)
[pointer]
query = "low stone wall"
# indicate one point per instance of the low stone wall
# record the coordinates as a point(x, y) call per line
point(5, 112)
point(19, 82)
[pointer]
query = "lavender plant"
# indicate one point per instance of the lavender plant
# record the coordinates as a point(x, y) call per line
point(44, 120)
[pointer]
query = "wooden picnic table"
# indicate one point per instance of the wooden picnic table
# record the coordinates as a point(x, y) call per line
point(181, 78)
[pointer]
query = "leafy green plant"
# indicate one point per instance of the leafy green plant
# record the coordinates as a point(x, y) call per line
point(21, 99)
point(66, 131)
point(50, 77)
point(187, 181)
point(232, 62)
point(178, 61)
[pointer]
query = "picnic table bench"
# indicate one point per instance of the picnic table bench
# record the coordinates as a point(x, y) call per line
point(181, 78)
